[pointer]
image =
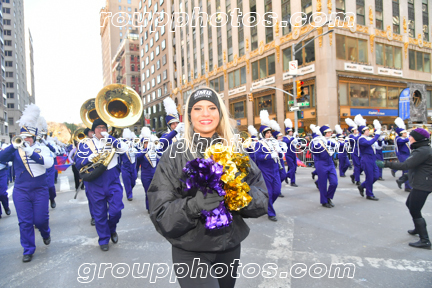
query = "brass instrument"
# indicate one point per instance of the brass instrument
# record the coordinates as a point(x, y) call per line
point(88, 113)
point(246, 139)
point(18, 141)
point(272, 144)
point(119, 106)
point(78, 135)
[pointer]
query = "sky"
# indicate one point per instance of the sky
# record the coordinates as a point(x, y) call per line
point(67, 55)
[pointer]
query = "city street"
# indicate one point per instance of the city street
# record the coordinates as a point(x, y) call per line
point(370, 235)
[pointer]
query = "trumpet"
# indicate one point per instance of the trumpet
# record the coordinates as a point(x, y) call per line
point(19, 142)
point(274, 147)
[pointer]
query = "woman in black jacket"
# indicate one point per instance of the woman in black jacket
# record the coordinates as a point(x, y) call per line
point(419, 165)
point(176, 213)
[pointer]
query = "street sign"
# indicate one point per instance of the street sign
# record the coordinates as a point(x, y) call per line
point(303, 104)
point(294, 108)
point(293, 65)
point(291, 102)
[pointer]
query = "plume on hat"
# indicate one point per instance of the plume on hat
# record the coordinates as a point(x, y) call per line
point(42, 124)
point(274, 125)
point(288, 123)
point(377, 124)
point(265, 118)
point(359, 120)
point(350, 123)
point(127, 133)
point(145, 132)
point(170, 106)
point(400, 123)
point(252, 130)
point(314, 128)
point(338, 129)
point(30, 116)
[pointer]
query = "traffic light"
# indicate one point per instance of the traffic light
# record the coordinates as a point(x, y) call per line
point(250, 97)
point(300, 92)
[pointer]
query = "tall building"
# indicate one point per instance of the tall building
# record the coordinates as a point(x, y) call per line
point(15, 62)
point(30, 66)
point(125, 67)
point(113, 29)
point(4, 129)
point(353, 70)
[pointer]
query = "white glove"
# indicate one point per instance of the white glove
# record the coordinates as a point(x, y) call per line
point(180, 128)
point(10, 163)
point(295, 134)
point(44, 141)
point(92, 156)
point(378, 132)
point(274, 155)
point(28, 150)
point(15, 146)
point(105, 134)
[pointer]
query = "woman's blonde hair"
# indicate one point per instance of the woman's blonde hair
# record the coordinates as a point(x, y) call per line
point(224, 129)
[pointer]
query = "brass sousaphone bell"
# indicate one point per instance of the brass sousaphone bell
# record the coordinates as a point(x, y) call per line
point(79, 135)
point(88, 112)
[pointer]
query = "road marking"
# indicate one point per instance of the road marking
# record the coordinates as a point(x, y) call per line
point(64, 183)
point(389, 192)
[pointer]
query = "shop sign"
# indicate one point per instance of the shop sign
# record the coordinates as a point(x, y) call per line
point(374, 112)
point(237, 90)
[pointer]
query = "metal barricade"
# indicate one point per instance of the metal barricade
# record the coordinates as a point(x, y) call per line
point(389, 152)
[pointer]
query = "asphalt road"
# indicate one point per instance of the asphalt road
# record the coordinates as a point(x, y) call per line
point(308, 243)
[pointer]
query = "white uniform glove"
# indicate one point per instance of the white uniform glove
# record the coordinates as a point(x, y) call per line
point(15, 146)
point(105, 134)
point(28, 150)
point(295, 134)
point(92, 156)
point(44, 141)
point(10, 163)
point(180, 128)
point(378, 132)
point(274, 155)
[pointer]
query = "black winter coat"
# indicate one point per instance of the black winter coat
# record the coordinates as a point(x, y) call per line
point(419, 165)
point(173, 220)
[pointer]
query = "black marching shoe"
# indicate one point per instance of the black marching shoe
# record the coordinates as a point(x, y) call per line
point(281, 195)
point(316, 184)
point(327, 205)
point(114, 237)
point(47, 241)
point(380, 179)
point(372, 198)
point(104, 247)
point(130, 199)
point(8, 211)
point(313, 176)
point(357, 183)
point(342, 176)
point(393, 173)
point(294, 185)
point(27, 257)
point(399, 183)
point(92, 222)
point(272, 218)
point(420, 226)
point(352, 179)
point(55, 181)
point(408, 190)
point(361, 190)
point(412, 232)
point(330, 202)
point(53, 204)
point(286, 180)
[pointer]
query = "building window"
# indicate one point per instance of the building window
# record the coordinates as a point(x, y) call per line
point(419, 61)
point(11, 121)
point(265, 103)
point(229, 32)
point(10, 84)
point(219, 46)
point(286, 16)
point(159, 92)
point(217, 84)
point(364, 95)
point(151, 42)
point(306, 54)
point(10, 95)
point(429, 99)
point(10, 105)
point(263, 67)
point(268, 20)
point(9, 74)
point(158, 65)
point(389, 56)
point(286, 55)
point(240, 29)
point(6, 10)
point(237, 78)
point(158, 78)
point(146, 48)
point(340, 8)
point(307, 7)
point(425, 17)
point(157, 50)
point(157, 36)
point(351, 49)
point(254, 26)
point(238, 109)
point(411, 19)
point(164, 73)
point(151, 56)
point(379, 14)
point(396, 17)
point(163, 44)
point(8, 53)
point(164, 60)
point(360, 9)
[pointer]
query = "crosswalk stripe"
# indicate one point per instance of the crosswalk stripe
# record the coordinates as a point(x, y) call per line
point(64, 183)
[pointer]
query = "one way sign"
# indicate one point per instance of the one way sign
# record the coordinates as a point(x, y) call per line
point(293, 65)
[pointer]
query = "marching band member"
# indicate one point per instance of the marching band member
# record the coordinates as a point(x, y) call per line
point(105, 193)
point(267, 161)
point(290, 155)
point(282, 147)
point(353, 144)
point(173, 123)
point(50, 173)
point(128, 167)
point(367, 156)
point(342, 152)
point(254, 136)
point(30, 194)
point(4, 168)
point(402, 146)
point(378, 146)
point(149, 156)
point(89, 134)
point(176, 214)
point(324, 148)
